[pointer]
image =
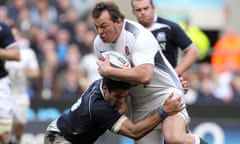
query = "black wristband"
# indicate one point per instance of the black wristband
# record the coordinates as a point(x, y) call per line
point(162, 113)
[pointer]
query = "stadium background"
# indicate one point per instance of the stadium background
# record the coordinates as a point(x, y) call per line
point(218, 123)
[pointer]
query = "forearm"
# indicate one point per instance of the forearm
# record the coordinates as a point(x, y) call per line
point(141, 74)
point(10, 53)
point(190, 57)
point(141, 128)
point(32, 74)
point(171, 106)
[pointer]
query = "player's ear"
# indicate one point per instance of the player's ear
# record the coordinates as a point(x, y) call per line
point(119, 21)
point(104, 88)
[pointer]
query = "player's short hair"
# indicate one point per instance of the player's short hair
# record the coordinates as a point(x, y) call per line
point(151, 2)
point(111, 7)
point(114, 84)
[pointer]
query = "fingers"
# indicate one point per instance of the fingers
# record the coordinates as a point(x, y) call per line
point(107, 57)
point(180, 104)
point(171, 96)
point(185, 84)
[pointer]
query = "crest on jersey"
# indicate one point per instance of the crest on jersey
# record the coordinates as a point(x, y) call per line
point(161, 37)
point(127, 50)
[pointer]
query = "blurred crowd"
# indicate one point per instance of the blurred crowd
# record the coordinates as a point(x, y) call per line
point(61, 33)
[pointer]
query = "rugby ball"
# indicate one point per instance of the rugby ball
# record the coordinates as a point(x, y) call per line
point(117, 59)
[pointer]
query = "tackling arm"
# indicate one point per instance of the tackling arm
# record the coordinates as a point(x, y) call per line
point(141, 128)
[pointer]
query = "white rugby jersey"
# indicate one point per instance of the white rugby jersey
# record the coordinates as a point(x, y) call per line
point(16, 68)
point(140, 46)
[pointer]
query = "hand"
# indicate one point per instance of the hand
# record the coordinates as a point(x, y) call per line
point(121, 106)
point(104, 66)
point(184, 84)
point(172, 105)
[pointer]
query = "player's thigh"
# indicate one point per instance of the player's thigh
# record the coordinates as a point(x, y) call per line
point(173, 127)
point(6, 100)
point(20, 112)
point(54, 138)
point(154, 137)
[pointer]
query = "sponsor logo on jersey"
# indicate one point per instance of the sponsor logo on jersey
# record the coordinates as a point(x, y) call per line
point(127, 50)
point(161, 38)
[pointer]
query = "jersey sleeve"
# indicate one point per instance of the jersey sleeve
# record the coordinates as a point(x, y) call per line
point(144, 49)
point(7, 39)
point(105, 115)
point(180, 37)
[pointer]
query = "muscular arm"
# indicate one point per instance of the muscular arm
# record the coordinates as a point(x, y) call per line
point(141, 74)
point(189, 58)
point(10, 53)
point(141, 128)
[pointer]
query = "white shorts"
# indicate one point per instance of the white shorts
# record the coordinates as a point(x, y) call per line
point(6, 99)
point(20, 108)
point(142, 110)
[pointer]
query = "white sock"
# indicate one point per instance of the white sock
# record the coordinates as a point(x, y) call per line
point(197, 139)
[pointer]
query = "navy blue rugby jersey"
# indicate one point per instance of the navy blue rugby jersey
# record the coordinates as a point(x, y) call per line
point(89, 117)
point(6, 40)
point(170, 38)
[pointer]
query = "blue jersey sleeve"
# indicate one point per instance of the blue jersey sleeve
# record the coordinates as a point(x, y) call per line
point(6, 36)
point(180, 37)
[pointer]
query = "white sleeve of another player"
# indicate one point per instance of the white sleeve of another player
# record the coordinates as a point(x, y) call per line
point(144, 49)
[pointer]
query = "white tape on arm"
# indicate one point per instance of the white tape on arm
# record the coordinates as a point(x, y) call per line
point(116, 127)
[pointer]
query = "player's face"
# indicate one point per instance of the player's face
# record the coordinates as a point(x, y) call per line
point(144, 12)
point(106, 28)
point(115, 97)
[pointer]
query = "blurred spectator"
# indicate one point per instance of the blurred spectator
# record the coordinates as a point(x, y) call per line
point(199, 38)
point(235, 86)
point(43, 14)
point(50, 65)
point(226, 52)
point(71, 88)
point(62, 44)
point(37, 38)
point(21, 74)
point(63, 6)
point(69, 22)
point(73, 59)
point(53, 30)
point(205, 93)
point(222, 89)
point(89, 60)
point(4, 16)
point(83, 6)
point(24, 21)
point(16, 8)
point(80, 34)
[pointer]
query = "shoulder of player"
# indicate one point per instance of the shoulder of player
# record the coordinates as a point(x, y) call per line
point(134, 28)
point(4, 28)
point(136, 32)
point(167, 22)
